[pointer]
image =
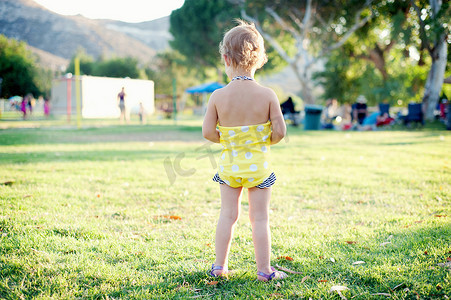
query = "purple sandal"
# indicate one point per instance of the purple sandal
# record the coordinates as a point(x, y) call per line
point(217, 268)
point(282, 275)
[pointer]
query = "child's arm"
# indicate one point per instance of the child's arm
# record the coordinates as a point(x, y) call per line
point(279, 127)
point(209, 130)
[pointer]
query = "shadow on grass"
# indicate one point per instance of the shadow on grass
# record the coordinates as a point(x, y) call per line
point(406, 267)
point(94, 155)
point(145, 133)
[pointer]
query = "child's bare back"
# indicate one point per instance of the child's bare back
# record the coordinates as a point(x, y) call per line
point(243, 103)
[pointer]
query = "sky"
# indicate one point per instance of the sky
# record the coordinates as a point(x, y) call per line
point(123, 10)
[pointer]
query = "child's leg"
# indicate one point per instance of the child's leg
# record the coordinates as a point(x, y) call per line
point(230, 211)
point(259, 216)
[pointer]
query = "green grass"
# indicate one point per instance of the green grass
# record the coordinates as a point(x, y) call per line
point(88, 214)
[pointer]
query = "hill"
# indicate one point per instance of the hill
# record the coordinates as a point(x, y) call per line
point(51, 35)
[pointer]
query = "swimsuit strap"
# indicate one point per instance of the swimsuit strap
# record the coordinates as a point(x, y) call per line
point(242, 78)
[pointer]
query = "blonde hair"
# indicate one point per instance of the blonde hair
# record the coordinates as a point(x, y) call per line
point(244, 46)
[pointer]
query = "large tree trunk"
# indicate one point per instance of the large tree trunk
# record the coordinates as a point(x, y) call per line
point(435, 78)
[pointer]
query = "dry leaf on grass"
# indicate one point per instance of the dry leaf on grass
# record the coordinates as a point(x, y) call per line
point(381, 294)
point(168, 217)
point(338, 288)
point(287, 270)
point(285, 257)
point(351, 242)
point(445, 265)
point(305, 278)
point(275, 295)
point(212, 282)
point(323, 280)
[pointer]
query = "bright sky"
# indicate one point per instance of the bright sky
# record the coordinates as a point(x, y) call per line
point(123, 10)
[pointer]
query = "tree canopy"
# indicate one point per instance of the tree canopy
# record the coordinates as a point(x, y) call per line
point(17, 69)
point(198, 27)
point(113, 67)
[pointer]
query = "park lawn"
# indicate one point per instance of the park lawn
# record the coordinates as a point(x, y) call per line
point(129, 212)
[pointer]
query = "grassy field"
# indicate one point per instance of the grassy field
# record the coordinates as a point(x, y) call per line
point(129, 212)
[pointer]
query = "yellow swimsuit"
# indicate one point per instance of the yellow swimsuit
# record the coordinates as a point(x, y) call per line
point(244, 161)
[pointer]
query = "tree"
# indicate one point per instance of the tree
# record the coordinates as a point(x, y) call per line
point(345, 77)
point(168, 66)
point(17, 68)
point(374, 41)
point(115, 67)
point(433, 33)
point(87, 63)
point(305, 32)
point(198, 27)
point(376, 60)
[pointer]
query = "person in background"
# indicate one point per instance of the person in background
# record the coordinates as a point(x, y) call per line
point(46, 108)
point(30, 103)
point(23, 106)
point(121, 103)
point(361, 110)
point(142, 113)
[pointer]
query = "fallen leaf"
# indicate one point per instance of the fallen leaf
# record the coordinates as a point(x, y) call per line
point(351, 242)
point(341, 296)
point(305, 278)
point(212, 282)
point(287, 270)
point(275, 295)
point(169, 217)
point(338, 288)
point(425, 253)
point(323, 280)
point(440, 216)
point(208, 245)
point(446, 265)
point(358, 262)
point(285, 257)
point(399, 286)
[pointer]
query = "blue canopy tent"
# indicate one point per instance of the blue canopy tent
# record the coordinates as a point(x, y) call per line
point(204, 89)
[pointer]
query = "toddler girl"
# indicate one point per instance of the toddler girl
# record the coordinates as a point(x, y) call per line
point(245, 118)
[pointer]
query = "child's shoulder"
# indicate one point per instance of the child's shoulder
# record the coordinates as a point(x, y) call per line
point(267, 92)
